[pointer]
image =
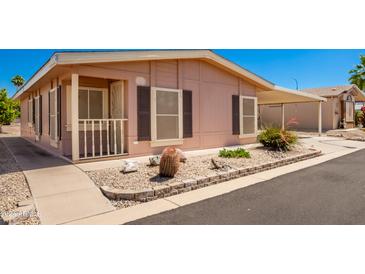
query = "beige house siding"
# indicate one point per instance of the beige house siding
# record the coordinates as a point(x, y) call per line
point(212, 90)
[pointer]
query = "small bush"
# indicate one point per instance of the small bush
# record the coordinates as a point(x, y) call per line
point(277, 138)
point(359, 117)
point(234, 153)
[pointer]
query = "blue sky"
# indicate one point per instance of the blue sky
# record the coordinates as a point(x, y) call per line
point(311, 68)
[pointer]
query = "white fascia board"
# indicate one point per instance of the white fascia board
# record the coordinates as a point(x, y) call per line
point(301, 93)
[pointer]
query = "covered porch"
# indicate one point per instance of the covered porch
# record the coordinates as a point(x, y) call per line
point(96, 117)
point(281, 96)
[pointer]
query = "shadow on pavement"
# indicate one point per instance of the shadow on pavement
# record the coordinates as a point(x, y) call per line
point(29, 156)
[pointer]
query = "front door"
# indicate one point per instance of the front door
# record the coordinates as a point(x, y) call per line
point(349, 114)
point(116, 112)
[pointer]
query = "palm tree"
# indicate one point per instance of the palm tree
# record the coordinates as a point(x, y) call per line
point(18, 81)
point(358, 74)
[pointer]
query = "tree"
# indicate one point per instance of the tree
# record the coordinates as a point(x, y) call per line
point(358, 74)
point(9, 109)
point(18, 81)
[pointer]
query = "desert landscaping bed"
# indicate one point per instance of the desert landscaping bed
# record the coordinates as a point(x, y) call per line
point(145, 184)
point(14, 191)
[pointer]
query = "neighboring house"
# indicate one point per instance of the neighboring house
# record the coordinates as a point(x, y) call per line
point(337, 112)
point(87, 105)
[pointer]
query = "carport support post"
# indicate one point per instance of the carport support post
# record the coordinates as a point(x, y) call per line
point(75, 116)
point(282, 117)
point(320, 118)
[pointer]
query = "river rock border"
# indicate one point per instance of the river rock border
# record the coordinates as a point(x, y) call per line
point(149, 194)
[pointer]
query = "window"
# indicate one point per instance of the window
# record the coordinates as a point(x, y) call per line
point(166, 114)
point(91, 103)
point(53, 116)
point(248, 116)
point(37, 115)
point(30, 111)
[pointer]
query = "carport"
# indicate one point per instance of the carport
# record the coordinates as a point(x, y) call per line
point(283, 96)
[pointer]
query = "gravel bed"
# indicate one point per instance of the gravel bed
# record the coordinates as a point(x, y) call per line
point(123, 203)
point(13, 186)
point(147, 176)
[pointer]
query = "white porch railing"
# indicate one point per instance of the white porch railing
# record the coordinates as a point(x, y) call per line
point(101, 138)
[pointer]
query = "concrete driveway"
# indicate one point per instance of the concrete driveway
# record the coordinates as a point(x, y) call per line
point(329, 193)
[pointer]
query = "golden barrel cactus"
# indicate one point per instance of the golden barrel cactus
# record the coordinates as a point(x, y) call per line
point(169, 163)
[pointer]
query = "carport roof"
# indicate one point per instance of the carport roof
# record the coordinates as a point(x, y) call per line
point(280, 95)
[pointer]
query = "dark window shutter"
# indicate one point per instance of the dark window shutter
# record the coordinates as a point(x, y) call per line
point(40, 114)
point(59, 112)
point(235, 114)
point(49, 113)
point(33, 111)
point(144, 113)
point(187, 114)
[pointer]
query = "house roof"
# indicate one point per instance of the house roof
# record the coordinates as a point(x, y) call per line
point(336, 91)
point(88, 57)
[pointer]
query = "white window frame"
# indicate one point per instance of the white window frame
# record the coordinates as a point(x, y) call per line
point(104, 108)
point(30, 112)
point(242, 135)
point(53, 142)
point(68, 105)
point(165, 142)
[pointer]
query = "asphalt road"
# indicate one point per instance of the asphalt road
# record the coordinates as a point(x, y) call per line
point(330, 193)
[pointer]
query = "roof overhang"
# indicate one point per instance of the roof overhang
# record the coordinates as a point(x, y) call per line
point(280, 95)
point(357, 93)
point(72, 58)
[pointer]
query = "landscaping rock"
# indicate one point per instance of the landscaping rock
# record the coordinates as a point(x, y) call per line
point(155, 160)
point(215, 164)
point(129, 166)
point(182, 155)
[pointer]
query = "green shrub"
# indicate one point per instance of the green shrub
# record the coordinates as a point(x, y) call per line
point(277, 138)
point(234, 153)
point(359, 117)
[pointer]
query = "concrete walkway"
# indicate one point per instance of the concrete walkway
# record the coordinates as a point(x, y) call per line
point(62, 192)
point(331, 147)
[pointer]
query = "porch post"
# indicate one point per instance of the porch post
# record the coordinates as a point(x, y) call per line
point(282, 117)
point(75, 116)
point(320, 118)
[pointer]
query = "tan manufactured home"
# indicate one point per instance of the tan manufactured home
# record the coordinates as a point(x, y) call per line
point(337, 112)
point(90, 105)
